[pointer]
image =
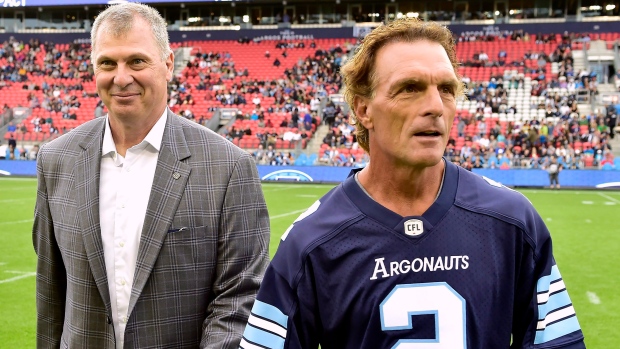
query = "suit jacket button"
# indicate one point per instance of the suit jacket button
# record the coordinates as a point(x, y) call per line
point(107, 318)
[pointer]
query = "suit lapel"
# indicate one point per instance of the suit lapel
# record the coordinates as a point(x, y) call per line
point(87, 174)
point(169, 183)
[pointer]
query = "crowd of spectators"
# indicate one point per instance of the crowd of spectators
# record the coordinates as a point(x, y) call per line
point(573, 137)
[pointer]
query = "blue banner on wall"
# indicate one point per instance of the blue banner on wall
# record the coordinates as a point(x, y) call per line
point(327, 174)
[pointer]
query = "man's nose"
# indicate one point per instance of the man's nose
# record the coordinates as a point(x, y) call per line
point(124, 76)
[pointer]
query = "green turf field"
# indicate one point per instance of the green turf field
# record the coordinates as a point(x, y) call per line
point(585, 226)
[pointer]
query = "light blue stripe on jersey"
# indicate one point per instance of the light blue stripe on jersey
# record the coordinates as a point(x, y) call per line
point(556, 301)
point(263, 338)
point(557, 330)
point(545, 281)
point(269, 312)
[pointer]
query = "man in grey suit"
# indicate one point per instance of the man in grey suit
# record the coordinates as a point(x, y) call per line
point(151, 231)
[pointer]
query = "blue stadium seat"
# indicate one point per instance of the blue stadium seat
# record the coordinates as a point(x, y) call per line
point(312, 159)
point(302, 160)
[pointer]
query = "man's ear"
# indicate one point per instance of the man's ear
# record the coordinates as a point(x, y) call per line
point(360, 106)
point(169, 66)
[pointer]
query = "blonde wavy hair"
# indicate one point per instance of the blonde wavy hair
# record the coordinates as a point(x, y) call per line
point(358, 73)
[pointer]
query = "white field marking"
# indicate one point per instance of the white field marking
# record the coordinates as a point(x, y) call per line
point(307, 196)
point(588, 221)
point(17, 179)
point(548, 219)
point(278, 186)
point(593, 298)
point(288, 214)
point(609, 198)
point(609, 203)
point(17, 222)
point(2, 263)
point(18, 189)
point(18, 277)
point(14, 200)
point(277, 189)
point(587, 202)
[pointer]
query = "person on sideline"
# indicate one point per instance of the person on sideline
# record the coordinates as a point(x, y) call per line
point(553, 169)
point(412, 251)
point(151, 231)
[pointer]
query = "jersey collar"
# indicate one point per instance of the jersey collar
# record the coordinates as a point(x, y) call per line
point(431, 217)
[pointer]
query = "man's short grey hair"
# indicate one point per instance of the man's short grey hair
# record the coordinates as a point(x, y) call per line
point(118, 20)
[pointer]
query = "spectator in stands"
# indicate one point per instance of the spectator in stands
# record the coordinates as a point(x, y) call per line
point(34, 151)
point(276, 62)
point(12, 153)
point(162, 167)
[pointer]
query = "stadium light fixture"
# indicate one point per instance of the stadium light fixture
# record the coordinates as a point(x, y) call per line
point(246, 18)
point(193, 19)
point(399, 15)
point(595, 8)
point(413, 14)
point(610, 7)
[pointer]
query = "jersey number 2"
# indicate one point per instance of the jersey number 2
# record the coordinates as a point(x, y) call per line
point(438, 299)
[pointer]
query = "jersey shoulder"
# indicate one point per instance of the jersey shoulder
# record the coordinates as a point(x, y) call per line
point(327, 217)
point(485, 196)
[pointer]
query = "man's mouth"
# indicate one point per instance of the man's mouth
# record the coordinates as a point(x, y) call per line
point(427, 134)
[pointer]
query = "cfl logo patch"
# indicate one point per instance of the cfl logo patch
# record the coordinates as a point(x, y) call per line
point(414, 227)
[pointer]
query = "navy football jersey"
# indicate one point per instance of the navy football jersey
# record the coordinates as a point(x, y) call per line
point(475, 271)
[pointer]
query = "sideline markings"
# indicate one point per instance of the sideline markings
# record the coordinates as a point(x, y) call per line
point(14, 200)
point(288, 214)
point(18, 277)
point(609, 198)
point(17, 222)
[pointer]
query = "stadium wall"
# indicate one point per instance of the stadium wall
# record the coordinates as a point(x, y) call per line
point(325, 174)
point(324, 33)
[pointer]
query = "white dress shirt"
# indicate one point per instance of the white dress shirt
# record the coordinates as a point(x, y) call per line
point(124, 191)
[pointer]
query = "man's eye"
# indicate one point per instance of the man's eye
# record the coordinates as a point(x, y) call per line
point(105, 63)
point(448, 90)
point(138, 61)
point(410, 88)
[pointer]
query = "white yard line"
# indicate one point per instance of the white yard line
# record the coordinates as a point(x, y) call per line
point(17, 222)
point(34, 190)
point(288, 214)
point(18, 277)
point(609, 198)
point(14, 200)
point(21, 179)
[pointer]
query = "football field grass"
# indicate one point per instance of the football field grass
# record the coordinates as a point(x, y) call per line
point(585, 226)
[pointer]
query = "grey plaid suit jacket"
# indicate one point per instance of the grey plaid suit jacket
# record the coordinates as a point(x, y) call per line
point(192, 287)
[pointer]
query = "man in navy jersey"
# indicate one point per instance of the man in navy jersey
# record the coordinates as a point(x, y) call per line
point(412, 252)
